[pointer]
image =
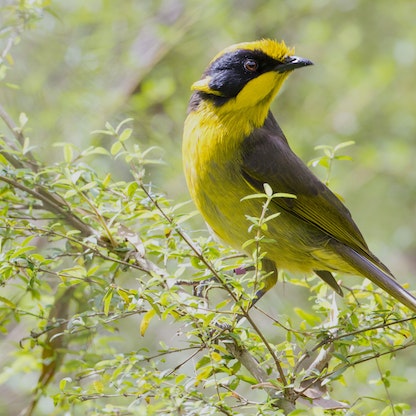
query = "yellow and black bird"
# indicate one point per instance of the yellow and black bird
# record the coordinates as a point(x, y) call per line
point(232, 146)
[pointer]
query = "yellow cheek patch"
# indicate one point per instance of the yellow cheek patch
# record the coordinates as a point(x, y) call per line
point(255, 91)
point(203, 85)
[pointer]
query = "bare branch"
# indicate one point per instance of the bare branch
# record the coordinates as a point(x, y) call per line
point(285, 401)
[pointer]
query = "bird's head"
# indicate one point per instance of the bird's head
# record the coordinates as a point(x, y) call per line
point(247, 75)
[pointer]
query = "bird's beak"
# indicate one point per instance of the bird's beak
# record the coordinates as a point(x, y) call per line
point(292, 62)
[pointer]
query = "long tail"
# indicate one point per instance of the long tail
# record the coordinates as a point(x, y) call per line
point(381, 278)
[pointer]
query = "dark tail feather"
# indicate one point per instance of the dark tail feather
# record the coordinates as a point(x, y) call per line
point(329, 279)
point(382, 279)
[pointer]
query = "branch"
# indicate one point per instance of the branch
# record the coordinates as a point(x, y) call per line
point(20, 138)
point(286, 402)
point(58, 206)
point(53, 205)
point(214, 272)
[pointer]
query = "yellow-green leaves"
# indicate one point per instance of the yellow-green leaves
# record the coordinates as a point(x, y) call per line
point(147, 317)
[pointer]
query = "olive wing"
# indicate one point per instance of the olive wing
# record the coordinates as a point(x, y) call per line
point(267, 158)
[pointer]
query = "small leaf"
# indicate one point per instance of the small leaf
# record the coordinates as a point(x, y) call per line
point(322, 147)
point(147, 317)
point(8, 302)
point(89, 185)
point(23, 120)
point(107, 300)
point(344, 144)
point(26, 145)
point(98, 386)
point(97, 150)
point(268, 189)
point(11, 85)
point(203, 375)
point(216, 357)
point(328, 153)
point(69, 194)
point(343, 157)
point(247, 379)
point(122, 123)
point(62, 383)
point(125, 135)
point(124, 295)
point(253, 196)
point(308, 317)
point(324, 162)
point(179, 379)
point(3, 160)
point(68, 153)
point(116, 147)
point(106, 180)
point(110, 128)
point(247, 243)
point(106, 132)
point(75, 176)
point(284, 195)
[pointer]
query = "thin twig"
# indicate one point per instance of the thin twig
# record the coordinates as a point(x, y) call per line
point(52, 204)
point(20, 138)
point(201, 257)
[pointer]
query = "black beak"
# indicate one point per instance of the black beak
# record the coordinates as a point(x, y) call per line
point(292, 62)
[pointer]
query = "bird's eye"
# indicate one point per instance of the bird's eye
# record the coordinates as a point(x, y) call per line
point(251, 65)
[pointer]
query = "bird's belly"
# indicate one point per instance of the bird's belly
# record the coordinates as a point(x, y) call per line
point(292, 243)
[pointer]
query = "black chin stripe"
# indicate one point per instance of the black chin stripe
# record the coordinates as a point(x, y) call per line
point(199, 96)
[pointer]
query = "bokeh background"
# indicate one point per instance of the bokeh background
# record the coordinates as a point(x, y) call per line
point(88, 62)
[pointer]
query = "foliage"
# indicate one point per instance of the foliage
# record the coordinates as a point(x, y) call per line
point(111, 305)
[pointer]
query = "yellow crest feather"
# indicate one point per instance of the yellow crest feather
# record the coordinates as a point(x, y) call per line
point(273, 48)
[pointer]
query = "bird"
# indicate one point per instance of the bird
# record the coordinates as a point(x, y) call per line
point(233, 146)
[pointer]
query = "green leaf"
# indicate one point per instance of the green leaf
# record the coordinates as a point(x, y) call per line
point(253, 196)
point(63, 382)
point(73, 272)
point(94, 150)
point(308, 317)
point(110, 128)
point(8, 302)
point(116, 148)
point(89, 185)
point(343, 145)
point(343, 157)
point(147, 317)
point(106, 132)
point(68, 153)
point(107, 300)
point(284, 195)
point(23, 120)
point(124, 295)
point(268, 189)
point(26, 145)
point(106, 180)
point(3, 160)
point(122, 123)
point(125, 135)
point(247, 379)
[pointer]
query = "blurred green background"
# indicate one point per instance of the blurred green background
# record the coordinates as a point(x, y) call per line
point(88, 62)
